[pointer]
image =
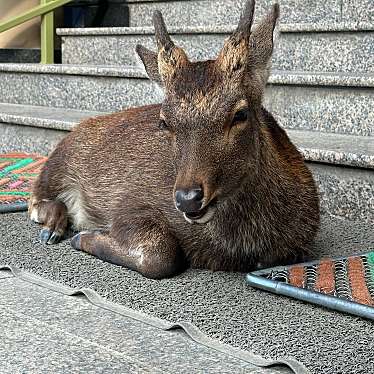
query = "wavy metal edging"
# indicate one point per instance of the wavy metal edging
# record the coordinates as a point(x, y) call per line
point(191, 330)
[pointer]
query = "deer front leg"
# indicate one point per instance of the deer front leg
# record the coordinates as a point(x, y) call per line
point(144, 245)
point(53, 215)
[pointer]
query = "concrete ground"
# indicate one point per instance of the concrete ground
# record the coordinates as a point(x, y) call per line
point(43, 331)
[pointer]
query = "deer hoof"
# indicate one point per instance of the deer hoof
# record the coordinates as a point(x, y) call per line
point(76, 241)
point(47, 236)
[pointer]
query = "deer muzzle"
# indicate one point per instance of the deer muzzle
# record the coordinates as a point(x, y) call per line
point(189, 200)
point(192, 204)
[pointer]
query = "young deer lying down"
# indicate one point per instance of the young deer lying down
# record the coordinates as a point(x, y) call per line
point(206, 179)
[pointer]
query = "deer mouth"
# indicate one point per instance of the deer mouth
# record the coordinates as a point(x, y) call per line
point(202, 216)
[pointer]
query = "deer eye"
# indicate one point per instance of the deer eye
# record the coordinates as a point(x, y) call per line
point(240, 116)
point(162, 125)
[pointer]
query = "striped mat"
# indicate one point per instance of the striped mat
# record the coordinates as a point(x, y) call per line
point(17, 172)
point(350, 278)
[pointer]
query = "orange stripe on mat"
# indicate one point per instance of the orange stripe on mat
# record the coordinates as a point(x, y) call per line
point(325, 281)
point(24, 178)
point(13, 197)
point(4, 164)
point(18, 155)
point(37, 170)
point(297, 276)
point(33, 165)
point(356, 275)
point(4, 181)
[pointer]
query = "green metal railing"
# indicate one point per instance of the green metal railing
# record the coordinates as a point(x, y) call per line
point(45, 10)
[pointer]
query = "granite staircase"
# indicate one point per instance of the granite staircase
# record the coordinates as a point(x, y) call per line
point(321, 88)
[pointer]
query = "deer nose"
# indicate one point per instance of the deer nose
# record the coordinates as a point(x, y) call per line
point(189, 200)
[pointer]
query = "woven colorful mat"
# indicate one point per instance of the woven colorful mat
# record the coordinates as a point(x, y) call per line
point(351, 278)
point(17, 173)
point(347, 281)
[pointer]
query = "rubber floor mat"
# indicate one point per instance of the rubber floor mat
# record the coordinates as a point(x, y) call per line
point(219, 306)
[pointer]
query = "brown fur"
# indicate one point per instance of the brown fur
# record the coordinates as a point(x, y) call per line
point(118, 173)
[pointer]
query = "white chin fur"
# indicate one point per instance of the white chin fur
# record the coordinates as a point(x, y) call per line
point(204, 219)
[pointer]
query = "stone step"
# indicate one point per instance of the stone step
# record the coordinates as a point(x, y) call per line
point(25, 55)
point(222, 12)
point(336, 149)
point(92, 88)
point(345, 191)
point(339, 103)
point(21, 138)
point(19, 55)
point(345, 47)
point(30, 128)
point(43, 117)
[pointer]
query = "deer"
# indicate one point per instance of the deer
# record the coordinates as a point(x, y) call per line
point(206, 179)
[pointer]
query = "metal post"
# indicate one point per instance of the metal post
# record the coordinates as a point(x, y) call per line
point(47, 36)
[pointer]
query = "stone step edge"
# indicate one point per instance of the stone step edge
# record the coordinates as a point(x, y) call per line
point(326, 151)
point(43, 117)
point(218, 29)
point(276, 78)
point(333, 148)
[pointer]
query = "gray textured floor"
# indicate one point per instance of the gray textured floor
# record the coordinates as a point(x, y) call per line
point(47, 332)
point(220, 304)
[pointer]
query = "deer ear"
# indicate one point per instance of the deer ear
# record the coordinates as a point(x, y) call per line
point(149, 59)
point(261, 43)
